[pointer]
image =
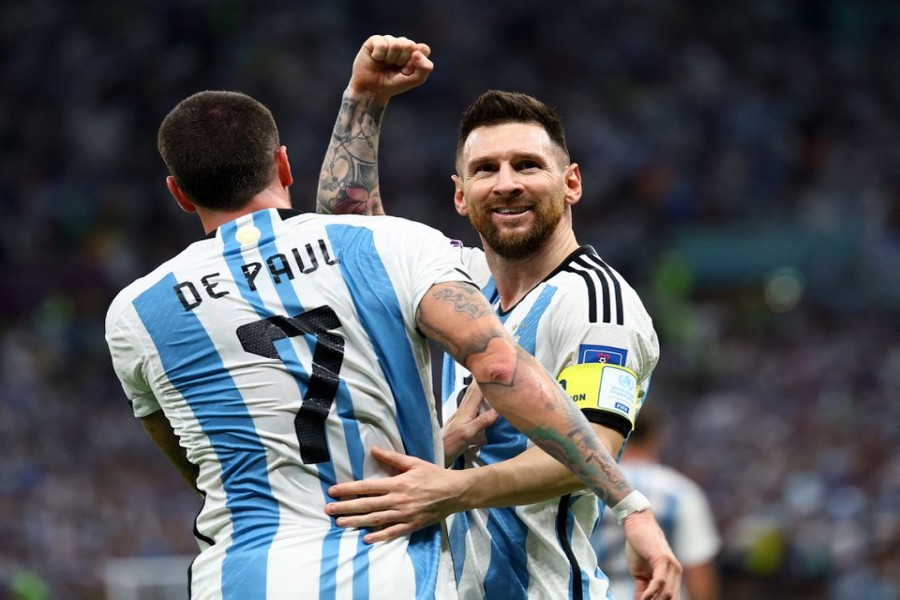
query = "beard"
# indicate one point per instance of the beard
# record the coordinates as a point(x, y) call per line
point(517, 244)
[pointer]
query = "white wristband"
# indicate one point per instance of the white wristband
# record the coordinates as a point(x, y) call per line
point(632, 503)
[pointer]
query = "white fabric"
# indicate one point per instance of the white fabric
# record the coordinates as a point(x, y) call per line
point(521, 552)
point(234, 408)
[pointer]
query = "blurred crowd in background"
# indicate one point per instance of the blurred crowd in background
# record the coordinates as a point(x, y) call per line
point(741, 166)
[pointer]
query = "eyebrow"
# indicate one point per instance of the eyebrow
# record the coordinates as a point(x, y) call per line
point(515, 156)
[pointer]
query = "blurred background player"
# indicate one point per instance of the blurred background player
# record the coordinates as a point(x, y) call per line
point(679, 504)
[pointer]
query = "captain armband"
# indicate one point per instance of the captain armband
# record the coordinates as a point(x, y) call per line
point(607, 394)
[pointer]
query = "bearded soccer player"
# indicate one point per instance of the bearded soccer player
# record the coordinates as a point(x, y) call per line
point(523, 524)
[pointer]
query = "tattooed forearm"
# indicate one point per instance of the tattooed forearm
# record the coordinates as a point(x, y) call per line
point(348, 181)
point(517, 386)
point(600, 472)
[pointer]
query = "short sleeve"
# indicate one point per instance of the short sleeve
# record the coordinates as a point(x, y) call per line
point(434, 259)
point(579, 341)
point(128, 359)
point(696, 539)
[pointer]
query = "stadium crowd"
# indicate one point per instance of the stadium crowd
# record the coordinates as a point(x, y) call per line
point(742, 169)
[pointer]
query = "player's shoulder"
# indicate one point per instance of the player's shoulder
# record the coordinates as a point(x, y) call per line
point(127, 295)
point(585, 267)
point(587, 285)
point(387, 223)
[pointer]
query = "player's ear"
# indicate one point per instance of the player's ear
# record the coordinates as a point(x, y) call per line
point(179, 195)
point(573, 184)
point(284, 167)
point(459, 198)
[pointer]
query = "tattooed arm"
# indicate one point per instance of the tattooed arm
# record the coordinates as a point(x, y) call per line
point(384, 67)
point(457, 316)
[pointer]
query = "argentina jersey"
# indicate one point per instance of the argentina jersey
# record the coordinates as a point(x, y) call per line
point(583, 312)
point(281, 350)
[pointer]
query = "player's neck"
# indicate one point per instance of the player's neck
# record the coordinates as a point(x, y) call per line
point(274, 196)
point(514, 278)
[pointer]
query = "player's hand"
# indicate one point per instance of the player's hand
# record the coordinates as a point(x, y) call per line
point(465, 429)
point(420, 495)
point(656, 571)
point(386, 66)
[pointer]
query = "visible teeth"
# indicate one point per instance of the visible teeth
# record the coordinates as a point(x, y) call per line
point(510, 211)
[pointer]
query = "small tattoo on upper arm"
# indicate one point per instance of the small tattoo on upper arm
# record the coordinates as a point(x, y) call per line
point(465, 300)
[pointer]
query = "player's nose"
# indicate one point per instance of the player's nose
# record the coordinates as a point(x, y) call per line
point(508, 182)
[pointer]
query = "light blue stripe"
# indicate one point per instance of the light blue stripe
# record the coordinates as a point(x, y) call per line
point(344, 408)
point(508, 568)
point(382, 318)
point(194, 367)
point(490, 290)
point(507, 574)
point(448, 379)
point(503, 440)
point(459, 530)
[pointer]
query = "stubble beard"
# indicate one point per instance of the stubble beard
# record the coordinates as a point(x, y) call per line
point(512, 244)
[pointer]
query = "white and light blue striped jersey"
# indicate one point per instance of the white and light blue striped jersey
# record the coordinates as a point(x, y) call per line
point(582, 312)
point(281, 350)
point(683, 512)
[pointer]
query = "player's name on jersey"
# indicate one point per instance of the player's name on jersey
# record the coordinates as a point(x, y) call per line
point(283, 267)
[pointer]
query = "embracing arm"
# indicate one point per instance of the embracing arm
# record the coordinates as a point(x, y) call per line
point(458, 317)
point(519, 388)
point(530, 477)
point(385, 66)
point(160, 430)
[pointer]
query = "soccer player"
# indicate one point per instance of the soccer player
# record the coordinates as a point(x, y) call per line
point(681, 507)
point(270, 357)
point(524, 525)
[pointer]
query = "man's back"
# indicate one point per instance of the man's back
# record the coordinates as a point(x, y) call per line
point(282, 349)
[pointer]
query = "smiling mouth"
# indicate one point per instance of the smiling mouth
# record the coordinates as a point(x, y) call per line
point(511, 211)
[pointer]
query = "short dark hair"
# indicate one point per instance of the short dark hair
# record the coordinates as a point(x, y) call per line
point(651, 420)
point(220, 148)
point(496, 107)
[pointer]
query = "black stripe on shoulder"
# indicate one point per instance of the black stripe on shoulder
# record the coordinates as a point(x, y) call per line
point(592, 274)
point(592, 292)
point(617, 286)
point(562, 517)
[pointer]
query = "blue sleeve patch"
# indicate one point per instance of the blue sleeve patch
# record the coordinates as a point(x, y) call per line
point(592, 353)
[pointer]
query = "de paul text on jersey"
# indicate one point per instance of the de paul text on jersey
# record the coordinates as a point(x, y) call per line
point(281, 267)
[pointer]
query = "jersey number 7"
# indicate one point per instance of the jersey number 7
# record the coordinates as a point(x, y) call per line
point(259, 338)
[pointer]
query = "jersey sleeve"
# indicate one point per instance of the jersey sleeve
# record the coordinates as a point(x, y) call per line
point(475, 263)
point(606, 367)
point(433, 258)
point(580, 341)
point(126, 350)
point(696, 539)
